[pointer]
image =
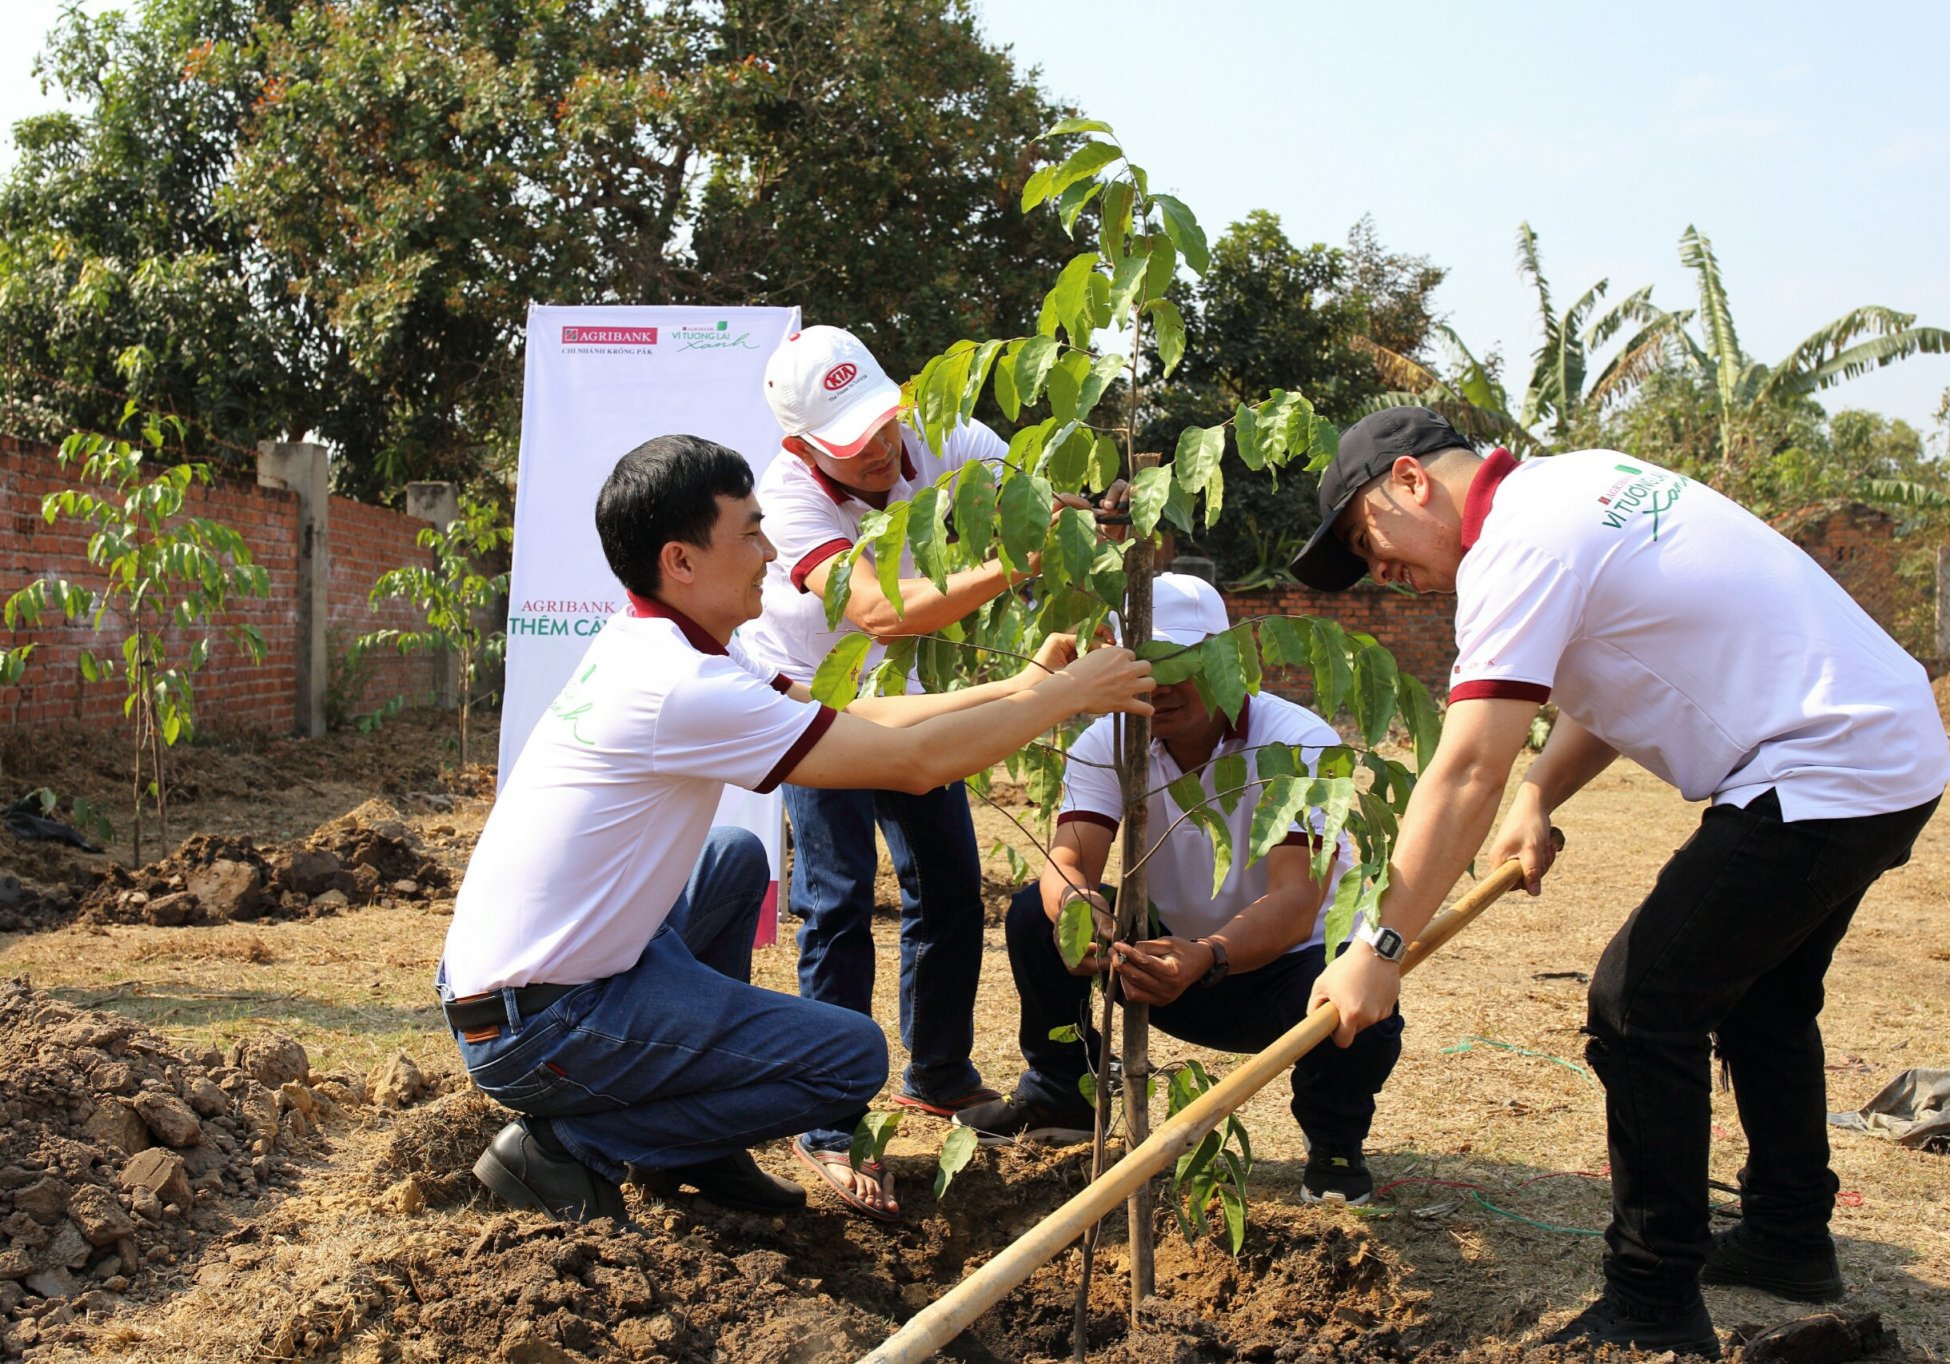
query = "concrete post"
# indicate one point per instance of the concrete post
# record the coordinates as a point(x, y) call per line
point(300, 468)
point(440, 504)
point(1943, 603)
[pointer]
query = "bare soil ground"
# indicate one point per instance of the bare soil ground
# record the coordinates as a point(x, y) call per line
point(330, 1215)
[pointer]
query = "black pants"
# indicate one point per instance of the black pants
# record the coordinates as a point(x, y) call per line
point(1333, 1089)
point(1734, 939)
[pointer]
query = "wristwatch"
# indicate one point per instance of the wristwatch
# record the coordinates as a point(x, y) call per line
point(1386, 942)
point(1220, 965)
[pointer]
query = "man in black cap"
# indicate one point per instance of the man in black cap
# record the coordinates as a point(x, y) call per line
point(1672, 626)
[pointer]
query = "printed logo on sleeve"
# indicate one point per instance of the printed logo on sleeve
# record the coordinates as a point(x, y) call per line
point(1640, 492)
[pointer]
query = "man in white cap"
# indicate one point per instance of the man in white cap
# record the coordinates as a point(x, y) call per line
point(1232, 970)
point(847, 452)
point(1671, 626)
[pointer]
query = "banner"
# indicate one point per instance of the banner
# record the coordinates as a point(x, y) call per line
point(599, 382)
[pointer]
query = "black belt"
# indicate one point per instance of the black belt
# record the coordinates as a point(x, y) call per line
point(486, 1011)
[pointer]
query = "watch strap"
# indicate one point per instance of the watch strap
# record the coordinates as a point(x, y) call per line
point(1220, 964)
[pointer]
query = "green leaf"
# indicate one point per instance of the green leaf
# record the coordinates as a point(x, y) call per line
point(1276, 760)
point(1249, 671)
point(1075, 125)
point(1374, 691)
point(1068, 1032)
point(1334, 798)
point(1424, 725)
point(1225, 672)
point(1229, 780)
point(1235, 1214)
point(1164, 265)
point(870, 1138)
point(1024, 508)
point(1083, 163)
point(889, 543)
point(1215, 495)
point(1076, 930)
point(1076, 543)
point(1126, 282)
point(957, 1150)
point(1044, 770)
point(1006, 396)
point(1170, 663)
point(1103, 373)
point(1245, 434)
point(1284, 641)
point(927, 535)
point(978, 374)
point(1069, 304)
point(1187, 792)
point(1333, 675)
point(890, 676)
point(1087, 1086)
point(1278, 807)
point(1200, 448)
point(975, 509)
point(1105, 461)
point(836, 682)
point(1114, 220)
point(1037, 188)
point(1066, 459)
point(1148, 493)
point(1034, 361)
point(1168, 324)
point(1185, 233)
point(1072, 201)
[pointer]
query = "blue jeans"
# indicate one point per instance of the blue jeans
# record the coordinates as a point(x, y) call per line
point(679, 1059)
point(932, 841)
point(1333, 1087)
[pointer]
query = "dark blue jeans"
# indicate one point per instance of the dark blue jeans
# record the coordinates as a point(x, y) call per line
point(932, 841)
point(679, 1059)
point(1733, 940)
point(1333, 1088)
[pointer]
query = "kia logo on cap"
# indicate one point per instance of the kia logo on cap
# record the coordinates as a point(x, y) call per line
point(839, 376)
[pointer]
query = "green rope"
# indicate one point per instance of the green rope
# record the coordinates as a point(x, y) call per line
point(1531, 1221)
point(1468, 1044)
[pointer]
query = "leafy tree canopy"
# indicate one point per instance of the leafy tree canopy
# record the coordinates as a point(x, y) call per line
point(1270, 314)
point(289, 217)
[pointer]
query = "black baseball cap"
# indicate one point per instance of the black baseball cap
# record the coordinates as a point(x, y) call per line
point(1368, 448)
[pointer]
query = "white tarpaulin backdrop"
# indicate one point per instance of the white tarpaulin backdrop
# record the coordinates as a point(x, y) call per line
point(600, 381)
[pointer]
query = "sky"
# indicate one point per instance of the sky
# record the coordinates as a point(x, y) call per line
point(1809, 142)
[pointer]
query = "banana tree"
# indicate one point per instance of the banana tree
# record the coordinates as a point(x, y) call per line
point(1858, 341)
point(1470, 396)
point(1556, 396)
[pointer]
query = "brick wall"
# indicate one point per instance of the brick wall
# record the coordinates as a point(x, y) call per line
point(1419, 631)
point(367, 541)
point(1853, 542)
point(232, 693)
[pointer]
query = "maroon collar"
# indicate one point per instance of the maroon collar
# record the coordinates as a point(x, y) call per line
point(649, 608)
point(840, 493)
point(1482, 493)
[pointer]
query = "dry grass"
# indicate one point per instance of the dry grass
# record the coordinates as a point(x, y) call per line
point(1510, 1113)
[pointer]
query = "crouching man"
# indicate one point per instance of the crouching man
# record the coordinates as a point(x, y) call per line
point(1231, 971)
point(596, 973)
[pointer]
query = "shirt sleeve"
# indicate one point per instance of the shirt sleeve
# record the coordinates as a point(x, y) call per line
point(728, 725)
point(805, 525)
point(1090, 790)
point(1517, 610)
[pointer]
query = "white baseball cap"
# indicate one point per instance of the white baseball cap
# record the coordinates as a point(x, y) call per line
point(825, 386)
point(1186, 609)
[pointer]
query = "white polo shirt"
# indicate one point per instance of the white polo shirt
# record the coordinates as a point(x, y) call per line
point(595, 833)
point(1678, 628)
point(809, 518)
point(1180, 872)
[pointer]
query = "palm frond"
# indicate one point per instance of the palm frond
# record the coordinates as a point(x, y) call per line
point(1530, 266)
point(1637, 307)
point(1832, 355)
point(1899, 492)
point(1644, 353)
point(1716, 316)
point(1395, 370)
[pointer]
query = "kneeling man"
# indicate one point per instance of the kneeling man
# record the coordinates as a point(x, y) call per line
point(1231, 971)
point(596, 973)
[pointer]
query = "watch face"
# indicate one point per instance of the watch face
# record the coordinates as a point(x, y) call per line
point(1388, 944)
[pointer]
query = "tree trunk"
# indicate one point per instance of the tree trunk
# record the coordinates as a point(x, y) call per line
point(1133, 909)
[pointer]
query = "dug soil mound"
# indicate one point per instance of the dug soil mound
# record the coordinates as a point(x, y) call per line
point(692, 1283)
point(119, 1155)
point(368, 856)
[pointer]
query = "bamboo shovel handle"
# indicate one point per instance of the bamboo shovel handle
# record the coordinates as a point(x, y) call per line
point(941, 1321)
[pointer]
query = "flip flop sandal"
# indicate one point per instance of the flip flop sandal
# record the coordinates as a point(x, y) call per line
point(828, 1164)
point(945, 1108)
